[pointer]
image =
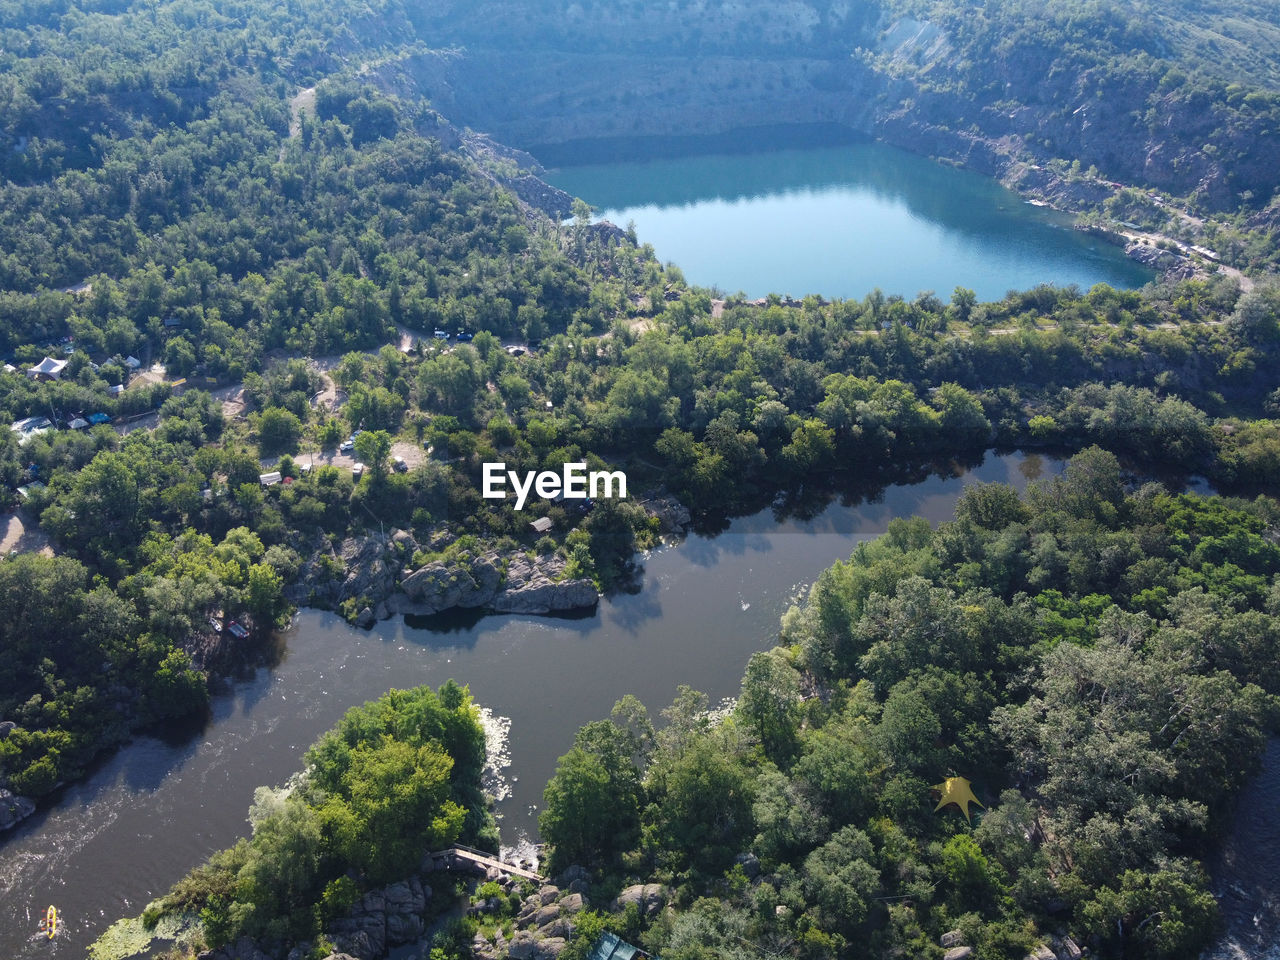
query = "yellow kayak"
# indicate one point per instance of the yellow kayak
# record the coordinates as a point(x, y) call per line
point(51, 921)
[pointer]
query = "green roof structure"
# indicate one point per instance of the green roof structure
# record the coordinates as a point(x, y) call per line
point(611, 947)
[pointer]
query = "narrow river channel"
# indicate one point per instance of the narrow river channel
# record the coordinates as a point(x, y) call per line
point(121, 837)
point(150, 812)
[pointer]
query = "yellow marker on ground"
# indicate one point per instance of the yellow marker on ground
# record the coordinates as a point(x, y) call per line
point(956, 790)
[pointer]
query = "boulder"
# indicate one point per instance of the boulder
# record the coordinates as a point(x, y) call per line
point(1158, 258)
point(549, 894)
point(357, 945)
point(541, 595)
point(572, 873)
point(1041, 953)
point(14, 809)
point(580, 886)
point(560, 927)
point(546, 914)
point(522, 946)
point(750, 864)
point(403, 928)
point(551, 947)
point(573, 903)
point(365, 619)
point(958, 953)
point(649, 897)
point(607, 232)
point(1067, 949)
point(673, 516)
point(952, 938)
point(530, 906)
point(440, 586)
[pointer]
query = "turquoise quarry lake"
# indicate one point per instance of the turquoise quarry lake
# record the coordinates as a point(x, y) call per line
point(841, 220)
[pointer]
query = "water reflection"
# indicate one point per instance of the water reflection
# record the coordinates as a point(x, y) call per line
point(841, 220)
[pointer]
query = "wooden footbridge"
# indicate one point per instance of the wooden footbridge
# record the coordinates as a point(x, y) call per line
point(464, 854)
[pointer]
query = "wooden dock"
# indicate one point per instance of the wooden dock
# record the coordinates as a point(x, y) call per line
point(480, 858)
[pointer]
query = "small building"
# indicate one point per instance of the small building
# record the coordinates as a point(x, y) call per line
point(132, 362)
point(79, 423)
point(270, 479)
point(357, 470)
point(98, 418)
point(612, 947)
point(30, 427)
point(47, 369)
point(171, 322)
point(541, 525)
point(26, 490)
point(115, 389)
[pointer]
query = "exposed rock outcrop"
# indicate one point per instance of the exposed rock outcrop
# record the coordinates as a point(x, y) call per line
point(385, 918)
point(1170, 263)
point(14, 809)
point(673, 516)
point(649, 897)
point(377, 571)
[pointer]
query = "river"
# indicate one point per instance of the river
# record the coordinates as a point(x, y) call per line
point(114, 841)
point(840, 221)
point(1246, 871)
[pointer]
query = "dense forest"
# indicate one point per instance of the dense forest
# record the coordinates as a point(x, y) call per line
point(201, 202)
point(1098, 659)
point(226, 246)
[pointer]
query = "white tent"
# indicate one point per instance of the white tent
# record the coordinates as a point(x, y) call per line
point(48, 367)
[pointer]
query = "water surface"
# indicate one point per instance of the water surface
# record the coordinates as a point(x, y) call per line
point(840, 221)
point(1246, 870)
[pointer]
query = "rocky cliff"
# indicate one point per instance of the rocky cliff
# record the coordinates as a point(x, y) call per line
point(984, 90)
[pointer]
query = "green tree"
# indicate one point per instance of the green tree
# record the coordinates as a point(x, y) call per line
point(278, 432)
point(373, 447)
point(580, 810)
